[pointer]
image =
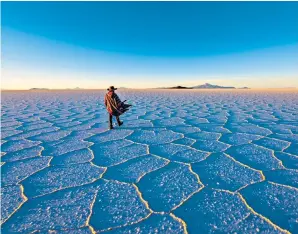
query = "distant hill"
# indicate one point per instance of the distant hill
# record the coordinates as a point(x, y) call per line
point(180, 87)
point(204, 86)
point(35, 89)
point(210, 86)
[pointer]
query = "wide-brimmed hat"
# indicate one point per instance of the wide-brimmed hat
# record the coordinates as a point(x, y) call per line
point(111, 88)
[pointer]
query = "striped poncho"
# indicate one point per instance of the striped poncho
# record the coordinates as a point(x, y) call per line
point(113, 103)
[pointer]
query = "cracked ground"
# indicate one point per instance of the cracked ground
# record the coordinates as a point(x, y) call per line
point(183, 162)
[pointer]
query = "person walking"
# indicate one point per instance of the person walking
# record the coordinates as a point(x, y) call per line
point(114, 106)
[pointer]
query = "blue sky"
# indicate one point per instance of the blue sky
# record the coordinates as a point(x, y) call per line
point(148, 44)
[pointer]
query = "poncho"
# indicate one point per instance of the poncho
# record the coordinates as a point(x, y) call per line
point(113, 104)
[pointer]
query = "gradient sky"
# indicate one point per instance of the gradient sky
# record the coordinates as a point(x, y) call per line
point(148, 44)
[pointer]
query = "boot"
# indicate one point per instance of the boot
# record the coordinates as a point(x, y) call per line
point(118, 121)
point(111, 122)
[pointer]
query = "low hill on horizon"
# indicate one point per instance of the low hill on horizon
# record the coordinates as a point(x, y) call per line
point(203, 86)
point(210, 86)
point(33, 89)
point(180, 87)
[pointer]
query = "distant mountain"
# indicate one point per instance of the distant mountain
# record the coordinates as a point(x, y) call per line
point(210, 86)
point(180, 87)
point(204, 86)
point(175, 87)
point(244, 88)
point(33, 89)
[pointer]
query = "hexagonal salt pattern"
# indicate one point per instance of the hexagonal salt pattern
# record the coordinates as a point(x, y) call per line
point(183, 162)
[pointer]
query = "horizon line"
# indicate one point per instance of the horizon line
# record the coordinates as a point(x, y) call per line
point(160, 88)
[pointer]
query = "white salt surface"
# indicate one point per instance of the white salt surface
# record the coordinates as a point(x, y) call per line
point(183, 161)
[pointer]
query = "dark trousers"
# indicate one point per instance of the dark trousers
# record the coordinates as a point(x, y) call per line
point(111, 120)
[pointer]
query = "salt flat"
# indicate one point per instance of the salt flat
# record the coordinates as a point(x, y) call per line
point(184, 161)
